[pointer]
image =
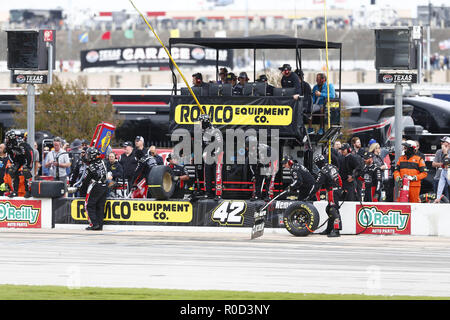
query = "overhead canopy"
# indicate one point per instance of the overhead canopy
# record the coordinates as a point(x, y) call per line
point(257, 42)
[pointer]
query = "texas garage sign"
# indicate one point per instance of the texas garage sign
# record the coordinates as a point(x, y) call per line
point(153, 56)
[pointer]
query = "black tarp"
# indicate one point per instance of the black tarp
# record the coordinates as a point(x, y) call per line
point(257, 42)
point(240, 112)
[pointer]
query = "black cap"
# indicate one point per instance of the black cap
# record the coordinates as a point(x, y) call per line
point(127, 144)
point(367, 155)
point(345, 146)
point(198, 75)
point(223, 71)
point(243, 75)
point(286, 159)
point(285, 66)
point(262, 78)
point(231, 76)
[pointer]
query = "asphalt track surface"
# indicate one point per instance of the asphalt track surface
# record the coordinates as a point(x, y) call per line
point(278, 262)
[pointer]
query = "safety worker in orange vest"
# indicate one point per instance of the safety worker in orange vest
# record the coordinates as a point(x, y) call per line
point(413, 167)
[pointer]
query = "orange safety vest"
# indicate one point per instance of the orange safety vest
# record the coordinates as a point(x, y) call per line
point(414, 166)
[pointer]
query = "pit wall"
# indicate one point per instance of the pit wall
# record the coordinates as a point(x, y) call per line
point(419, 219)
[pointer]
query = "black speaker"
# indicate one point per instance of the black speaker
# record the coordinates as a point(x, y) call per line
point(48, 189)
point(27, 50)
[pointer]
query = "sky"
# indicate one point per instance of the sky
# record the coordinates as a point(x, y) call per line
point(191, 5)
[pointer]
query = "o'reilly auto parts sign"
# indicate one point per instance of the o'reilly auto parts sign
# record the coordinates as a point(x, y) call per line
point(153, 56)
point(397, 77)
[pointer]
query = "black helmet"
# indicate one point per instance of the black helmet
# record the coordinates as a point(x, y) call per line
point(11, 136)
point(92, 154)
point(319, 160)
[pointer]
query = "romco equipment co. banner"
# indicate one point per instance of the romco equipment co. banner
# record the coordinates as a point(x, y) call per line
point(145, 57)
point(282, 113)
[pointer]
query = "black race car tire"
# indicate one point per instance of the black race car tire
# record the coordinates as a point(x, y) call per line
point(301, 218)
point(160, 183)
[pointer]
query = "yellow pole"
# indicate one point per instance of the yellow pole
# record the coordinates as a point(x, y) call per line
point(170, 57)
point(328, 79)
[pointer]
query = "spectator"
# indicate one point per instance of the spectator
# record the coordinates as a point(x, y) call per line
point(269, 88)
point(231, 79)
point(114, 171)
point(75, 153)
point(306, 92)
point(36, 160)
point(3, 163)
point(377, 160)
point(290, 79)
point(129, 162)
point(349, 171)
point(357, 147)
point(337, 145)
point(242, 80)
point(438, 163)
point(444, 179)
point(154, 153)
point(223, 75)
point(139, 144)
point(197, 81)
point(84, 144)
point(45, 170)
point(58, 161)
point(320, 96)
point(418, 152)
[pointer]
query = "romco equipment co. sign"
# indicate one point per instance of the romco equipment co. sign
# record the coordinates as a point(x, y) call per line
point(153, 56)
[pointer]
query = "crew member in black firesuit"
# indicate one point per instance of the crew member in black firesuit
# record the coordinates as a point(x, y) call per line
point(302, 180)
point(371, 178)
point(210, 135)
point(179, 176)
point(21, 156)
point(260, 172)
point(350, 170)
point(94, 178)
point(79, 167)
point(329, 179)
point(145, 163)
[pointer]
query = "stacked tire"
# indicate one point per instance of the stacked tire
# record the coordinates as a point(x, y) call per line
point(160, 182)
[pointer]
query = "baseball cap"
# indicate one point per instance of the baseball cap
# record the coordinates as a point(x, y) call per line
point(139, 138)
point(372, 141)
point(243, 75)
point(345, 146)
point(262, 78)
point(76, 143)
point(223, 71)
point(127, 144)
point(446, 139)
point(231, 76)
point(367, 155)
point(285, 66)
point(198, 75)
